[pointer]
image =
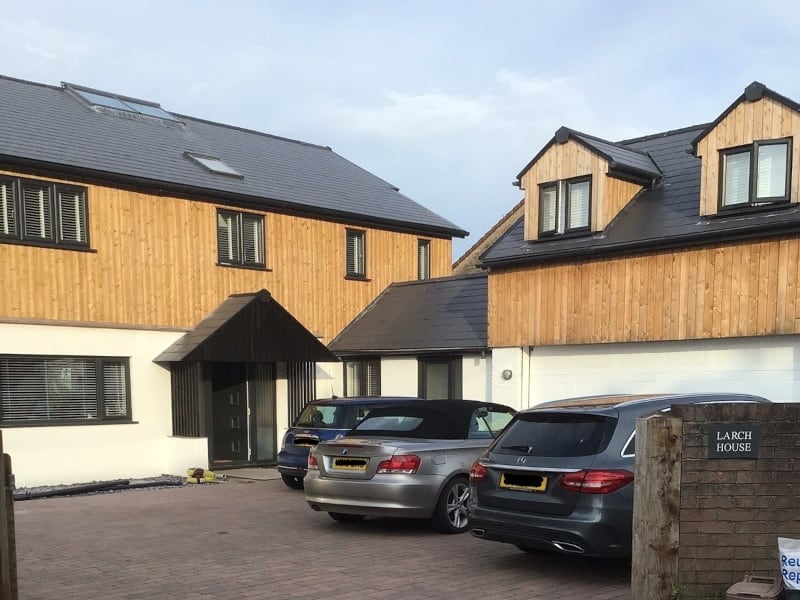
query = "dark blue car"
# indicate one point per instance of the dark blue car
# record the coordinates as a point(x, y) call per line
point(320, 421)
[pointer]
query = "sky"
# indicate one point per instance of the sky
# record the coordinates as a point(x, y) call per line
point(447, 100)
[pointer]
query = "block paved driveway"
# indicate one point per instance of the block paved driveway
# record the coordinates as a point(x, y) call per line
point(243, 539)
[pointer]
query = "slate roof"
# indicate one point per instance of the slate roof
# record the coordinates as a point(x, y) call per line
point(49, 127)
point(248, 328)
point(622, 159)
point(666, 216)
point(435, 315)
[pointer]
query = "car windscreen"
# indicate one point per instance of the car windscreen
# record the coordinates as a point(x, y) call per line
point(332, 416)
point(411, 421)
point(556, 434)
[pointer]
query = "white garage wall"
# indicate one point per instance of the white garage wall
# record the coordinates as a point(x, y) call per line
point(767, 366)
point(80, 453)
point(514, 390)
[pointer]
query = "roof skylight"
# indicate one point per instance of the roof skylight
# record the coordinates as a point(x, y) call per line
point(214, 165)
point(117, 102)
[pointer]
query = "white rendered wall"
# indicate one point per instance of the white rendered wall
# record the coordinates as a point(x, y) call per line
point(330, 380)
point(81, 453)
point(766, 366)
point(476, 381)
point(399, 376)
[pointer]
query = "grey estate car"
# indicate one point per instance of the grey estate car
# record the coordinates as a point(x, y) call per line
point(410, 459)
point(560, 476)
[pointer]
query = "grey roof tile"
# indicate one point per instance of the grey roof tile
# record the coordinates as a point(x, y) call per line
point(247, 328)
point(666, 216)
point(446, 314)
point(49, 126)
point(622, 158)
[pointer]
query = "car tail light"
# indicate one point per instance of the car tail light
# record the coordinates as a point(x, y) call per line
point(478, 473)
point(406, 464)
point(312, 462)
point(596, 482)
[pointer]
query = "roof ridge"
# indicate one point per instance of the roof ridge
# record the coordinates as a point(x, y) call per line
point(254, 131)
point(491, 230)
point(605, 141)
point(652, 136)
point(28, 82)
point(437, 279)
point(198, 119)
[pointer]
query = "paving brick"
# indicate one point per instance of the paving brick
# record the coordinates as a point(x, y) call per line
point(242, 540)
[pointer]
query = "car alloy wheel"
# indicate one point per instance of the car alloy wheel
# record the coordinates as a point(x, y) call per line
point(450, 515)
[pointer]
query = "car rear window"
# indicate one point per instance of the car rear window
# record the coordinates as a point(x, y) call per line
point(327, 416)
point(411, 421)
point(556, 434)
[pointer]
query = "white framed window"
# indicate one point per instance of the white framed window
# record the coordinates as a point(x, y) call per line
point(355, 252)
point(240, 239)
point(565, 206)
point(423, 259)
point(759, 173)
point(59, 389)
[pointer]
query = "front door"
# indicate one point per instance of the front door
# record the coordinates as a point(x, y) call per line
point(229, 412)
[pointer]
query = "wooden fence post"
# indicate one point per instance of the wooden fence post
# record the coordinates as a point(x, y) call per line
point(8, 544)
point(656, 507)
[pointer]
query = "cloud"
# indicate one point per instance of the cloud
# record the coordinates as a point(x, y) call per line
point(41, 41)
point(509, 103)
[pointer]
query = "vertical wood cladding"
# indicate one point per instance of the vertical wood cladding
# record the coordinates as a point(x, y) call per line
point(748, 122)
point(185, 380)
point(564, 161)
point(745, 289)
point(156, 265)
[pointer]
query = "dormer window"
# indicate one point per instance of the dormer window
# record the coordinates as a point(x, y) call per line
point(564, 206)
point(755, 174)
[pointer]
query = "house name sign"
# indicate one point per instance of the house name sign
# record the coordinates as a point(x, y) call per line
point(733, 440)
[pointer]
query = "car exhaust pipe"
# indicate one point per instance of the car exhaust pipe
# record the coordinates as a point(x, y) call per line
point(568, 548)
point(478, 533)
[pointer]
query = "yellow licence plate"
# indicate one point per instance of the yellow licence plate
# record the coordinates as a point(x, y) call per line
point(350, 464)
point(523, 483)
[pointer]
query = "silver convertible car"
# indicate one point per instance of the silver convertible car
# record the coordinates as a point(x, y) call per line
point(411, 459)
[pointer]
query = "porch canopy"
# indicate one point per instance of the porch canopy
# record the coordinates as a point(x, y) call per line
point(250, 327)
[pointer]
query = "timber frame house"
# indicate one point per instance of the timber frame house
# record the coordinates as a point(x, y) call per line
point(669, 262)
point(170, 284)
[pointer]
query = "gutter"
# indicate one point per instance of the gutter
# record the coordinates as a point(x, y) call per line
point(137, 183)
point(639, 246)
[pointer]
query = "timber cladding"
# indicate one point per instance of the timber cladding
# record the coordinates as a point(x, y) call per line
point(571, 159)
point(154, 264)
point(742, 289)
point(746, 123)
point(732, 511)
